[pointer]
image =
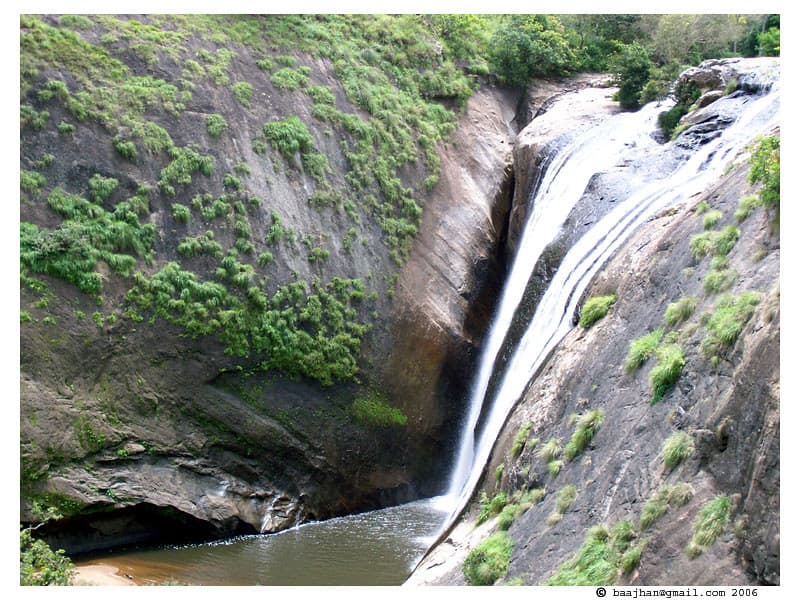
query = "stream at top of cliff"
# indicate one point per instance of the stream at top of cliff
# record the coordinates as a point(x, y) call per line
point(380, 547)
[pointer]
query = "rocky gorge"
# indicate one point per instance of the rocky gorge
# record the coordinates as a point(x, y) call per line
point(284, 308)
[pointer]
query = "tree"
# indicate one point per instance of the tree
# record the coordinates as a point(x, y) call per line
point(631, 71)
point(528, 46)
point(39, 565)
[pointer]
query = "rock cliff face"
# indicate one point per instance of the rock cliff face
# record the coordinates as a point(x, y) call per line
point(138, 430)
point(602, 477)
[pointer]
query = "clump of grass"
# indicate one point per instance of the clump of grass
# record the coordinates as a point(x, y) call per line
point(621, 535)
point(710, 243)
point(507, 516)
point(554, 467)
point(100, 188)
point(125, 148)
point(181, 213)
point(288, 136)
point(631, 559)
point(678, 447)
point(709, 524)
point(216, 125)
point(593, 565)
point(718, 281)
point(642, 348)
point(730, 316)
point(290, 79)
point(711, 219)
point(486, 563)
point(498, 472)
point(669, 364)
point(665, 497)
point(550, 450)
point(747, 205)
point(587, 426)
point(520, 440)
point(596, 308)
point(566, 496)
point(680, 311)
point(31, 181)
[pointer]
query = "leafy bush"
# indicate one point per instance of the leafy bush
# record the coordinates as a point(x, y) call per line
point(487, 562)
point(216, 125)
point(243, 92)
point(631, 68)
point(31, 181)
point(316, 166)
point(40, 565)
point(595, 309)
point(181, 213)
point(669, 364)
point(125, 148)
point(642, 348)
point(678, 447)
point(100, 188)
point(766, 169)
point(678, 312)
point(185, 163)
point(668, 120)
point(289, 136)
point(290, 79)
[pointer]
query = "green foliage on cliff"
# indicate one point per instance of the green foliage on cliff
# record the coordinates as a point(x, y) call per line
point(710, 523)
point(487, 562)
point(374, 411)
point(766, 170)
point(727, 321)
point(587, 426)
point(678, 447)
point(596, 308)
point(642, 348)
point(40, 565)
point(670, 361)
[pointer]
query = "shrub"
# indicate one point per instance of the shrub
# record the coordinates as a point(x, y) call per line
point(678, 312)
point(709, 524)
point(520, 440)
point(288, 136)
point(100, 188)
point(766, 169)
point(243, 91)
point(642, 348)
point(181, 213)
point(316, 166)
point(65, 128)
point(31, 181)
point(40, 565)
point(486, 563)
point(125, 148)
point(669, 119)
point(321, 94)
point(593, 565)
point(669, 364)
point(595, 309)
point(216, 125)
point(631, 68)
point(289, 79)
point(491, 506)
point(678, 447)
point(264, 259)
point(631, 558)
point(507, 517)
point(265, 64)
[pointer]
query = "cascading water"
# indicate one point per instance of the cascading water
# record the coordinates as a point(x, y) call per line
point(620, 139)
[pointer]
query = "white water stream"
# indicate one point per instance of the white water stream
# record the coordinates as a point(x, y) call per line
point(620, 139)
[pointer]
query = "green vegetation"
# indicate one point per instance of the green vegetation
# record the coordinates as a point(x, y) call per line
point(487, 562)
point(710, 523)
point(566, 496)
point(642, 348)
point(730, 316)
point(491, 506)
point(550, 451)
point(717, 281)
point(373, 410)
point(521, 439)
point(665, 497)
point(746, 206)
point(185, 163)
point(40, 565)
point(631, 69)
point(766, 169)
point(289, 136)
point(216, 125)
point(31, 182)
point(678, 447)
point(290, 79)
point(181, 213)
point(243, 92)
point(710, 219)
point(585, 429)
point(594, 564)
point(100, 188)
point(596, 308)
point(554, 467)
point(669, 364)
point(680, 311)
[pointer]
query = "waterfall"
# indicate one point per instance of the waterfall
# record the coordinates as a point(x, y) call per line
point(621, 140)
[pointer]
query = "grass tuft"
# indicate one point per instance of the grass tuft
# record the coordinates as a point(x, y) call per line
point(669, 364)
point(595, 309)
point(486, 563)
point(642, 348)
point(709, 524)
point(678, 447)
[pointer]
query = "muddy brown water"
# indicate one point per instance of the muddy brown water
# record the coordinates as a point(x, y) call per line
point(374, 548)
